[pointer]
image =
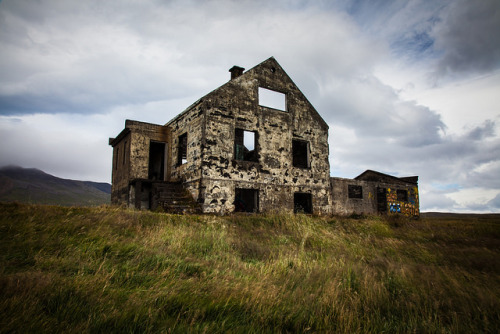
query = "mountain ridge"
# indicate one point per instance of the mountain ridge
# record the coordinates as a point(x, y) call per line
point(32, 185)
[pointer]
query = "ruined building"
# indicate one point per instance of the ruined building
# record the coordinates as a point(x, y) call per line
point(255, 144)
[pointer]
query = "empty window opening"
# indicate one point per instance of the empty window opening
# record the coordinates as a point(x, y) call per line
point(246, 200)
point(124, 152)
point(156, 161)
point(300, 152)
point(272, 99)
point(355, 191)
point(182, 149)
point(402, 195)
point(302, 203)
point(245, 145)
point(116, 157)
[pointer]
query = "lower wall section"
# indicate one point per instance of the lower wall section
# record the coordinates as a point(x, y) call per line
point(365, 202)
point(343, 197)
point(119, 196)
point(220, 197)
point(368, 197)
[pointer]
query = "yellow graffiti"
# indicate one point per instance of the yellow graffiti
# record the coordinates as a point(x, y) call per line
point(401, 207)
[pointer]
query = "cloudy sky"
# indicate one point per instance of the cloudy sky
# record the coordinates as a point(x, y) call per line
point(407, 87)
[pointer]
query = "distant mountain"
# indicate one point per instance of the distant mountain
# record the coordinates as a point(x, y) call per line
point(30, 185)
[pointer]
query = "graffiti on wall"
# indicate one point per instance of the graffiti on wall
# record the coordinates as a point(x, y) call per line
point(408, 208)
point(395, 208)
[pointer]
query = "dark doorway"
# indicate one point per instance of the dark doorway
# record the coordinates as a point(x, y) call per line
point(302, 203)
point(156, 161)
point(381, 200)
point(246, 200)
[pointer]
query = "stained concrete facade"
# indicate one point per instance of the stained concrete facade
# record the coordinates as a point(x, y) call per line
point(255, 144)
point(374, 192)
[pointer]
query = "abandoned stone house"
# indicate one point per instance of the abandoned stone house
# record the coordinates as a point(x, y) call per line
point(255, 144)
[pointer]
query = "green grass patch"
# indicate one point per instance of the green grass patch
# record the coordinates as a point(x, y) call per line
point(112, 270)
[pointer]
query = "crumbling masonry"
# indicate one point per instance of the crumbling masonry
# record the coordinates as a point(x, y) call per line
point(255, 144)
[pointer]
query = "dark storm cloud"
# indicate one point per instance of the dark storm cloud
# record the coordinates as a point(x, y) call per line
point(91, 57)
point(67, 57)
point(467, 37)
point(82, 67)
point(460, 36)
point(455, 159)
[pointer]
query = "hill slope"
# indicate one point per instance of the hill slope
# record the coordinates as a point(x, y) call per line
point(29, 185)
point(110, 270)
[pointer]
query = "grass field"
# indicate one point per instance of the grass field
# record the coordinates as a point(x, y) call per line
point(107, 269)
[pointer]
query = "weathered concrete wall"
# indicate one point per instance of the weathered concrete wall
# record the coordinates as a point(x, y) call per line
point(190, 122)
point(142, 135)
point(132, 146)
point(408, 208)
point(121, 170)
point(369, 203)
point(214, 168)
point(236, 105)
point(344, 205)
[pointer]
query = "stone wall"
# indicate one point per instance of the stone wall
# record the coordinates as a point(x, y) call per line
point(344, 205)
point(191, 123)
point(131, 151)
point(235, 105)
point(377, 197)
point(238, 148)
point(121, 170)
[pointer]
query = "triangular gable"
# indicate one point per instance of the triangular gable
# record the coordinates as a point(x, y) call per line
point(271, 64)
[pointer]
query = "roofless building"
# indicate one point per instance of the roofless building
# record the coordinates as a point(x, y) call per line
point(255, 144)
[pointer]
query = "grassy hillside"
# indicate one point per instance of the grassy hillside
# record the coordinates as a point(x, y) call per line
point(107, 270)
point(30, 185)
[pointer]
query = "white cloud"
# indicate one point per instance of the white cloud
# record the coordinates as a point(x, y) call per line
point(434, 200)
point(475, 200)
point(72, 72)
point(464, 103)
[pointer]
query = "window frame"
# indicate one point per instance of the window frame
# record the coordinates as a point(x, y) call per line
point(295, 155)
point(298, 199)
point(124, 152)
point(117, 157)
point(182, 149)
point(354, 191)
point(402, 195)
point(240, 203)
point(267, 98)
point(239, 153)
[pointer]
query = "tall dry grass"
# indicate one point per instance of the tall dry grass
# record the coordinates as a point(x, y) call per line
point(107, 269)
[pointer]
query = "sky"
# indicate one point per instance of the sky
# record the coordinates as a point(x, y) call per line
point(407, 87)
